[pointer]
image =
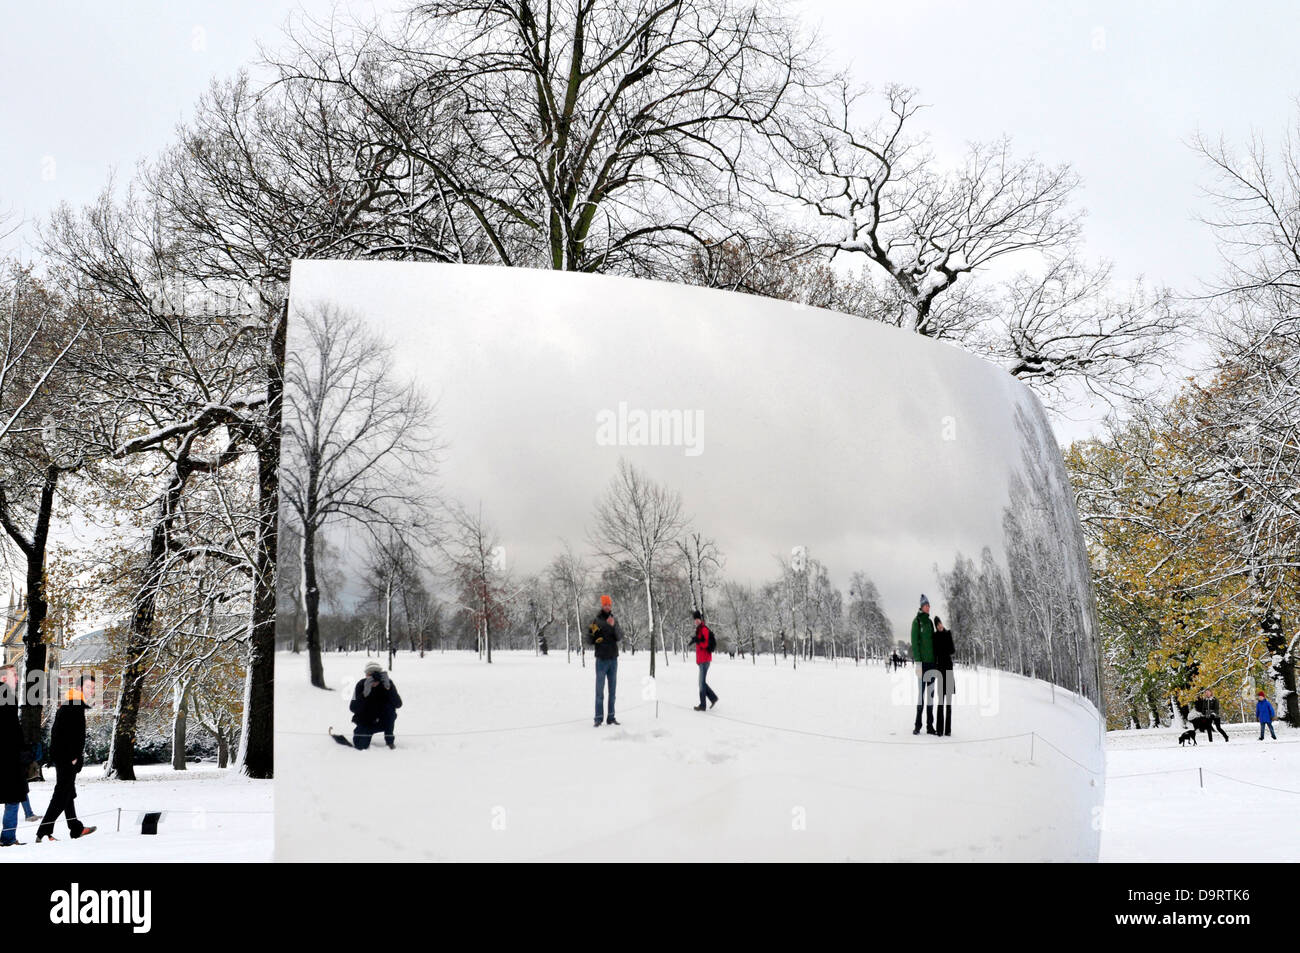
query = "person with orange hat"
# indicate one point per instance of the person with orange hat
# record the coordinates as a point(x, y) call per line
point(603, 636)
point(67, 751)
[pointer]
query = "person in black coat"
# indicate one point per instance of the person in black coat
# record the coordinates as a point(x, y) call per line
point(944, 650)
point(67, 754)
point(603, 635)
point(1207, 706)
point(13, 766)
point(374, 707)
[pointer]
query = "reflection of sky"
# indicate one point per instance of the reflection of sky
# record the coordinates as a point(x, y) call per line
point(818, 430)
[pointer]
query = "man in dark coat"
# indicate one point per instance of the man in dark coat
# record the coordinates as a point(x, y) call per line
point(374, 707)
point(67, 753)
point(923, 657)
point(13, 767)
point(944, 650)
point(603, 636)
point(1207, 706)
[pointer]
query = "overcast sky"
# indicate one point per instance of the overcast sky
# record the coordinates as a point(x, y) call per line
point(874, 449)
point(1114, 88)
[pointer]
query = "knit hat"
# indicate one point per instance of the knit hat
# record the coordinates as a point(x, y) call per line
point(696, 614)
point(925, 601)
point(1260, 694)
point(373, 668)
point(606, 602)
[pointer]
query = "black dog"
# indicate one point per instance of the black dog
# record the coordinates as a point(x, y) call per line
point(1187, 736)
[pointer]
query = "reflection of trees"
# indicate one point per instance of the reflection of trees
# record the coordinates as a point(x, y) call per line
point(1035, 617)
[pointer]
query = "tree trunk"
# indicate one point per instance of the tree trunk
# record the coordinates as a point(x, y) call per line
point(35, 682)
point(388, 618)
point(121, 750)
point(650, 615)
point(311, 604)
point(179, 726)
point(1283, 670)
point(257, 734)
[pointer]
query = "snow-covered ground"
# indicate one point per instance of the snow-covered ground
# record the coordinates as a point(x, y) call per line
point(1157, 810)
point(211, 816)
point(502, 762)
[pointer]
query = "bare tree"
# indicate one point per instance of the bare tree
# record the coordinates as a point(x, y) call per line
point(571, 573)
point(704, 562)
point(635, 523)
point(586, 135)
point(37, 389)
point(925, 228)
point(475, 562)
point(358, 443)
point(877, 190)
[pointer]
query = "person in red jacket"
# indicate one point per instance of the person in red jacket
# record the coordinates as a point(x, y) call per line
point(703, 656)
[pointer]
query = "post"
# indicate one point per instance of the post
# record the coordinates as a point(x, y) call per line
point(1031, 746)
point(1201, 773)
point(119, 820)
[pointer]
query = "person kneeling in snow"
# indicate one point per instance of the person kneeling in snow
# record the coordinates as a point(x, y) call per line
point(374, 707)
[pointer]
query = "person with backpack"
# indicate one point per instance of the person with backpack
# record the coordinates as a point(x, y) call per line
point(944, 650)
point(1264, 713)
point(923, 658)
point(603, 635)
point(374, 707)
point(705, 643)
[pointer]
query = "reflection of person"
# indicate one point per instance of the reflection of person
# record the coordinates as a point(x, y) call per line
point(374, 707)
point(943, 653)
point(703, 656)
point(923, 657)
point(67, 752)
point(13, 769)
point(1208, 706)
point(603, 636)
point(1264, 713)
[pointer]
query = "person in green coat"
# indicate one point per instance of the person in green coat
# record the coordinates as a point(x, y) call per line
point(926, 673)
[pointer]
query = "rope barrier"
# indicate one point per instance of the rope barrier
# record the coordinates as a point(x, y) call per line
point(474, 731)
point(1253, 784)
point(865, 741)
point(1066, 756)
point(1146, 774)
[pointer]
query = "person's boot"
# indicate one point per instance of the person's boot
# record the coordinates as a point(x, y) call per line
point(611, 720)
point(714, 703)
point(699, 707)
point(390, 741)
point(599, 722)
point(85, 831)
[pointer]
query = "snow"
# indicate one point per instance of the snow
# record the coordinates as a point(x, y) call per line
point(501, 762)
point(213, 816)
point(1156, 809)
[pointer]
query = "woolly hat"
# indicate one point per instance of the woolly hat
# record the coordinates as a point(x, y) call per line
point(606, 602)
point(373, 668)
point(925, 601)
point(696, 614)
